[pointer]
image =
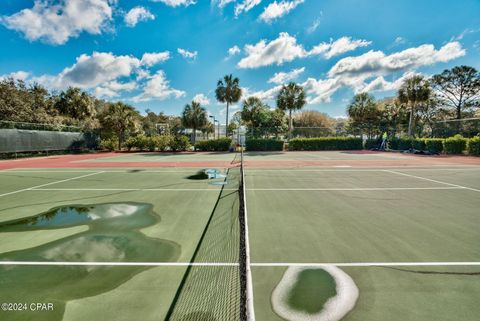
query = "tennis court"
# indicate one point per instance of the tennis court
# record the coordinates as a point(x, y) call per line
point(404, 228)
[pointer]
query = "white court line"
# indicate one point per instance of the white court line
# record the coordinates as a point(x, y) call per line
point(53, 263)
point(134, 189)
point(367, 264)
point(432, 180)
point(128, 171)
point(48, 184)
point(357, 189)
point(379, 169)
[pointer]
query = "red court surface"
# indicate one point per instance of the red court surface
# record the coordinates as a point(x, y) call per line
point(286, 160)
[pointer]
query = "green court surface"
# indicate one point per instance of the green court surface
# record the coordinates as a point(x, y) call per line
point(407, 236)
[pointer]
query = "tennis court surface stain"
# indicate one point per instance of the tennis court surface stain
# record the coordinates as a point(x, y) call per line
point(113, 236)
point(312, 289)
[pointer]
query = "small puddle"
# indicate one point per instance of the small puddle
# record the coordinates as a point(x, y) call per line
point(314, 287)
point(113, 236)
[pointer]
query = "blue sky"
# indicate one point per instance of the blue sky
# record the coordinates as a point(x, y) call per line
point(161, 54)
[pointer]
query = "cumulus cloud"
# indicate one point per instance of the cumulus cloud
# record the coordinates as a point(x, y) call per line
point(283, 77)
point(100, 67)
point(57, 23)
point(338, 47)
point(176, 3)
point(285, 49)
point(158, 88)
point(152, 58)
point(201, 99)
point(245, 6)
point(235, 50)
point(192, 55)
point(137, 14)
point(17, 75)
point(377, 62)
point(113, 88)
point(277, 10)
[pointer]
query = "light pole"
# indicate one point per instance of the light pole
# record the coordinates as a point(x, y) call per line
point(214, 120)
point(218, 129)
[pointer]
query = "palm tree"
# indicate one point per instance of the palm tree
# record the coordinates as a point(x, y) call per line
point(194, 116)
point(228, 91)
point(291, 98)
point(364, 113)
point(413, 92)
point(120, 118)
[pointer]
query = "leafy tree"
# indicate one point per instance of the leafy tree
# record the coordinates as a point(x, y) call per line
point(364, 114)
point(194, 116)
point(76, 104)
point(120, 118)
point(323, 124)
point(254, 112)
point(458, 88)
point(414, 92)
point(291, 98)
point(228, 91)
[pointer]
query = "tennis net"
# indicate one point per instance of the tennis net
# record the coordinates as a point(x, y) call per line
point(218, 292)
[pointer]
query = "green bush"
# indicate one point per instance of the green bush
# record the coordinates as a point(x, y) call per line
point(473, 146)
point(163, 142)
point(180, 143)
point(419, 144)
point(404, 143)
point(264, 145)
point(326, 143)
point(109, 144)
point(455, 145)
point(373, 143)
point(214, 145)
point(151, 143)
point(434, 145)
point(131, 143)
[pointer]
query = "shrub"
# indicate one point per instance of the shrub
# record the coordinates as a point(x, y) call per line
point(264, 145)
point(455, 144)
point(151, 143)
point(326, 143)
point(405, 143)
point(214, 145)
point(130, 143)
point(373, 143)
point(419, 144)
point(180, 143)
point(473, 146)
point(109, 144)
point(163, 142)
point(434, 145)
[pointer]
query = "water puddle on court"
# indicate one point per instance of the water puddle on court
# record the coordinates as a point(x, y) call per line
point(314, 293)
point(113, 236)
point(210, 174)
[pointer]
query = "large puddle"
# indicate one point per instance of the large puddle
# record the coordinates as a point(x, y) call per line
point(113, 236)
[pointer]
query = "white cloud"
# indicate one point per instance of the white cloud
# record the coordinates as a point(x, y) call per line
point(377, 63)
point(201, 99)
point(283, 77)
point(100, 67)
point(338, 47)
point(285, 49)
point(367, 72)
point(222, 3)
point(56, 23)
point(17, 75)
point(136, 15)
point(235, 50)
point(152, 58)
point(187, 54)
point(314, 26)
point(176, 3)
point(245, 6)
point(158, 88)
point(276, 9)
point(112, 89)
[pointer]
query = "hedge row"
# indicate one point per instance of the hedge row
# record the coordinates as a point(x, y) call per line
point(452, 145)
point(326, 143)
point(264, 145)
point(150, 143)
point(214, 145)
point(473, 146)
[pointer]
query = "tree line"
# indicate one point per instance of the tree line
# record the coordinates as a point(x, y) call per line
point(420, 102)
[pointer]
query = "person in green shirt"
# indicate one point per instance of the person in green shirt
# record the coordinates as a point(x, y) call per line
point(384, 141)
